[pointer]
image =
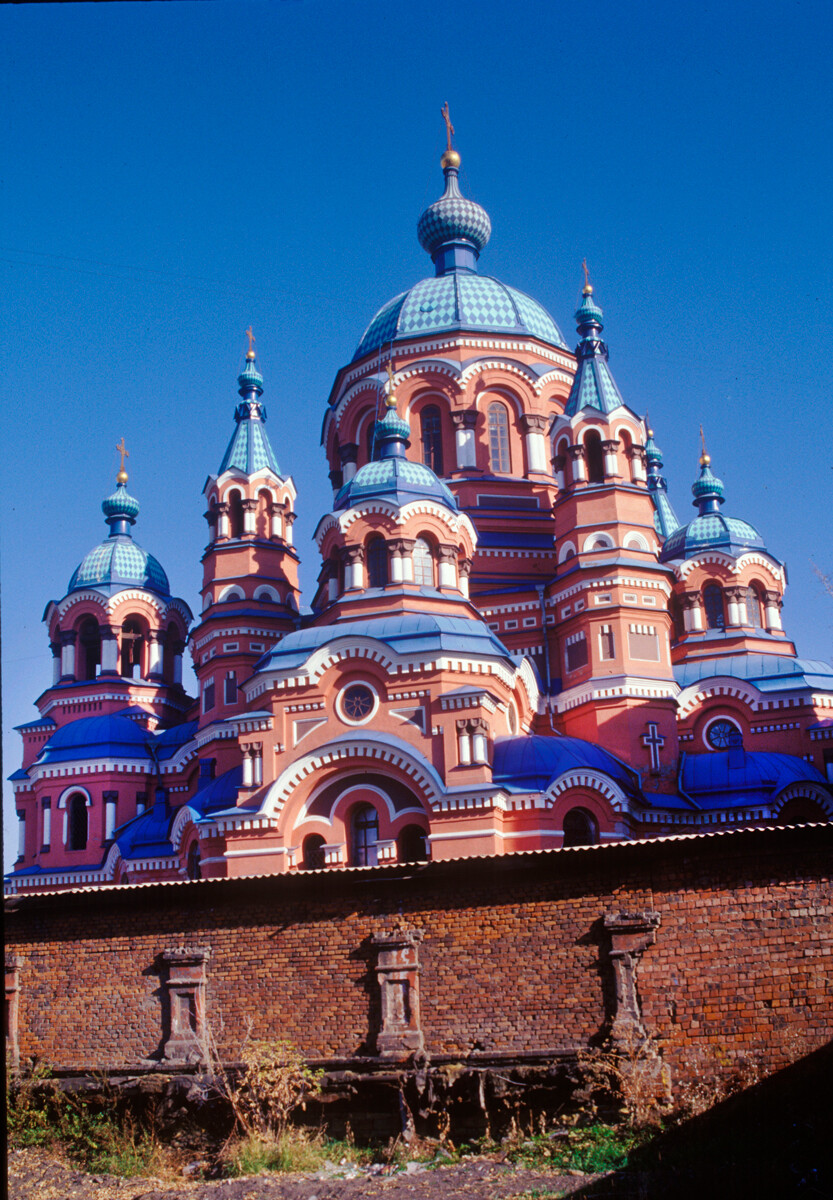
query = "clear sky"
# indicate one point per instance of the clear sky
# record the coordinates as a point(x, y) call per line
point(174, 172)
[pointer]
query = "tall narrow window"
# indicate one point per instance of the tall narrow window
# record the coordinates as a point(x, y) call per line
point(595, 457)
point(131, 649)
point(313, 853)
point(499, 439)
point(754, 609)
point(713, 604)
point(576, 651)
point(208, 695)
point(230, 688)
point(77, 823)
point(580, 828)
point(423, 563)
point(364, 834)
point(431, 433)
point(377, 562)
point(607, 647)
point(236, 514)
point(192, 865)
point(90, 637)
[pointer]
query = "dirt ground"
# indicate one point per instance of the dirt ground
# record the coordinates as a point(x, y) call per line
point(35, 1175)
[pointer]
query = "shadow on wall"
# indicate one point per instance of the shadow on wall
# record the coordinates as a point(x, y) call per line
point(772, 1140)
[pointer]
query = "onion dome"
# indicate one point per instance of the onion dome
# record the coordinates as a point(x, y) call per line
point(119, 562)
point(454, 230)
point(665, 519)
point(593, 385)
point(249, 449)
point(710, 529)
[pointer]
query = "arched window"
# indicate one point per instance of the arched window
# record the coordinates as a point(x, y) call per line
point(263, 519)
point(77, 822)
point(377, 562)
point(411, 846)
point(131, 649)
point(90, 638)
point(192, 865)
point(423, 563)
point(580, 828)
point(713, 604)
point(364, 834)
point(313, 853)
point(499, 440)
point(627, 442)
point(430, 428)
point(754, 608)
point(594, 457)
point(235, 512)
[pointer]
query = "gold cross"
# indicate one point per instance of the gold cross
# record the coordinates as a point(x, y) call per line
point(124, 452)
point(586, 272)
point(449, 128)
point(391, 399)
point(251, 338)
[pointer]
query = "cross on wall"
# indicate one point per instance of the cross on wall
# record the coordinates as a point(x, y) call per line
point(654, 740)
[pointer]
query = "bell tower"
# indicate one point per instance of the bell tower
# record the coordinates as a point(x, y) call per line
point(250, 586)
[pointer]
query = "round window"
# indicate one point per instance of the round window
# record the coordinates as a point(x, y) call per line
point(721, 733)
point(357, 703)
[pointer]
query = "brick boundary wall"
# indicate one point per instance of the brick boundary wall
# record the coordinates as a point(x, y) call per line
point(719, 946)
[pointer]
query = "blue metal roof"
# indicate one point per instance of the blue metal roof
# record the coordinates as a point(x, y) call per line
point(459, 300)
point(96, 737)
point(120, 563)
point(531, 763)
point(41, 723)
point(220, 793)
point(768, 672)
point(167, 742)
point(408, 633)
point(396, 479)
point(711, 531)
point(713, 781)
point(249, 450)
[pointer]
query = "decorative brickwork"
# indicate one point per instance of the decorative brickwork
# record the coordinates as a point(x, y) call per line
point(14, 962)
point(630, 935)
point(185, 1004)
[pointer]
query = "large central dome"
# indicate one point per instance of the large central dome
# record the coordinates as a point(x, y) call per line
point(453, 230)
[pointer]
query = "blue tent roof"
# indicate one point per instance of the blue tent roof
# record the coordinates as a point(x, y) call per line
point(531, 763)
point(407, 633)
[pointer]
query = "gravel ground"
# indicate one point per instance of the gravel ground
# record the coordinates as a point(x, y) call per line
point(35, 1175)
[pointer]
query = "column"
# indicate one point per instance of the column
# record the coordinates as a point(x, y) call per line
point(397, 570)
point(68, 638)
point(464, 570)
point(257, 763)
point(332, 580)
point(223, 527)
point(397, 973)
point(248, 767)
point(288, 521)
point(630, 935)
point(249, 516)
point(109, 649)
point(464, 423)
point(737, 611)
point(348, 453)
point(610, 447)
point(636, 455)
point(533, 426)
point(110, 799)
point(463, 743)
point(276, 521)
point(14, 964)
point(354, 568)
point(184, 994)
point(337, 481)
point(577, 454)
point(772, 610)
point(156, 646)
point(448, 566)
point(46, 813)
point(21, 834)
point(692, 612)
point(480, 741)
point(211, 519)
point(179, 649)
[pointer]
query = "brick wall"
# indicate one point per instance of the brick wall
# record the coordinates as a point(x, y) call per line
point(514, 956)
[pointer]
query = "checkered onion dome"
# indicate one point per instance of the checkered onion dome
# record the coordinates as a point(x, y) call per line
point(453, 218)
point(121, 504)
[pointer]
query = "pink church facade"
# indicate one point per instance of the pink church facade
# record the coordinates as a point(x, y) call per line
point(513, 643)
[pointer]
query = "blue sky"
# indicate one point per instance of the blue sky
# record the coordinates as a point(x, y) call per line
point(176, 171)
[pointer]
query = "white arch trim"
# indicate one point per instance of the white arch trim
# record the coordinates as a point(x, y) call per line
point(111, 862)
point(378, 748)
point(803, 790)
point(265, 592)
point(230, 593)
point(593, 781)
point(734, 566)
point(185, 817)
point(70, 791)
point(635, 541)
point(567, 548)
point(590, 542)
point(719, 686)
point(349, 787)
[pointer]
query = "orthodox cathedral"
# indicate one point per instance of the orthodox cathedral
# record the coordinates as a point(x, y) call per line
point(514, 642)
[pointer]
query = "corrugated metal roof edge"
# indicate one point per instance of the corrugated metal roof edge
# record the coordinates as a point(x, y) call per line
point(627, 845)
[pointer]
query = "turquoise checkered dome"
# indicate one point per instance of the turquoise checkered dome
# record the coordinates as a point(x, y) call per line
point(119, 562)
point(249, 450)
point(454, 230)
point(710, 529)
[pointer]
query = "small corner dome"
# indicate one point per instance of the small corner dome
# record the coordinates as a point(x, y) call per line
point(711, 531)
point(119, 563)
point(395, 479)
point(110, 735)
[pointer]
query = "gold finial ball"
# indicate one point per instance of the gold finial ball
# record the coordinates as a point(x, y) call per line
point(250, 356)
point(705, 459)
point(390, 400)
point(121, 477)
point(650, 432)
point(587, 290)
point(450, 159)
